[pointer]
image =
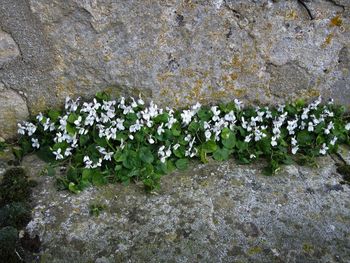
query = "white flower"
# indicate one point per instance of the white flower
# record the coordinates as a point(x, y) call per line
point(332, 142)
point(131, 137)
point(120, 125)
point(347, 126)
point(281, 108)
point(108, 156)
point(186, 116)
point(294, 141)
point(230, 117)
point(88, 162)
point(176, 146)
point(58, 154)
point(77, 122)
point(252, 156)
point(150, 140)
point(216, 113)
point(324, 149)
point(68, 151)
point(21, 129)
point(35, 143)
point(310, 127)
point(295, 149)
point(238, 104)
point(207, 135)
point(248, 138)
point(40, 117)
point(31, 128)
point(140, 100)
point(135, 127)
point(329, 128)
point(160, 129)
point(273, 141)
point(188, 137)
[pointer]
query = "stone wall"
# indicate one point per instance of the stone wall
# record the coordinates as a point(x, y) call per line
point(175, 52)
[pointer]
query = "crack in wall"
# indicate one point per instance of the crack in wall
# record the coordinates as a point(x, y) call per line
point(303, 4)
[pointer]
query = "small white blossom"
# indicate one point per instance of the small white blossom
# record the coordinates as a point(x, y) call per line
point(347, 126)
point(58, 154)
point(150, 140)
point(35, 143)
point(207, 135)
point(324, 149)
point(68, 151)
point(333, 141)
point(88, 162)
point(295, 149)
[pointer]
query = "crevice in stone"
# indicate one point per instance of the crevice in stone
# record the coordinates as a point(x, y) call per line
point(16, 42)
point(20, 93)
point(336, 4)
point(302, 3)
point(236, 13)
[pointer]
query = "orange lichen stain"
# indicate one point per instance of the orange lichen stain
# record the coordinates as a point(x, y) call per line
point(188, 72)
point(195, 93)
point(291, 15)
point(236, 62)
point(328, 40)
point(39, 106)
point(239, 92)
point(336, 21)
point(234, 76)
point(65, 88)
point(107, 58)
point(165, 76)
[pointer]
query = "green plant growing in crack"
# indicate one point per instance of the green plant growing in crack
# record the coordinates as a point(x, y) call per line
point(96, 209)
point(125, 140)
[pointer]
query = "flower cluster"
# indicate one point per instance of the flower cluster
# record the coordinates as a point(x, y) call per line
point(130, 139)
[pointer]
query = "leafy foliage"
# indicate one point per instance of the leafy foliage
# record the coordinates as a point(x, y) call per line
point(124, 140)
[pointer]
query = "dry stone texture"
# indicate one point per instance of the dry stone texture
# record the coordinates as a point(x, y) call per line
point(177, 52)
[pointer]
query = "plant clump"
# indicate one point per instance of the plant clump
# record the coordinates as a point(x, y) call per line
point(125, 140)
point(15, 186)
point(15, 214)
point(8, 243)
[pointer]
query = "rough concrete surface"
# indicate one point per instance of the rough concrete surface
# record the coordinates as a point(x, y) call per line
point(218, 212)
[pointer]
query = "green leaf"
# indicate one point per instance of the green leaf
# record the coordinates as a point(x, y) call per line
point(102, 96)
point(228, 139)
point(209, 146)
point(204, 114)
point(181, 164)
point(70, 129)
point(221, 154)
point(53, 114)
point(304, 138)
point(45, 154)
point(194, 126)
point(73, 188)
point(146, 155)
point(162, 118)
point(98, 178)
point(72, 117)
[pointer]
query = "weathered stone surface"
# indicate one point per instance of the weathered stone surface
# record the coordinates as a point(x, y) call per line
point(8, 48)
point(178, 52)
point(12, 110)
point(212, 213)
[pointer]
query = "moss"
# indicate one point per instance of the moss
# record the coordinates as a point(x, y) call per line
point(254, 250)
point(308, 248)
point(344, 170)
point(16, 214)
point(14, 186)
point(8, 242)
